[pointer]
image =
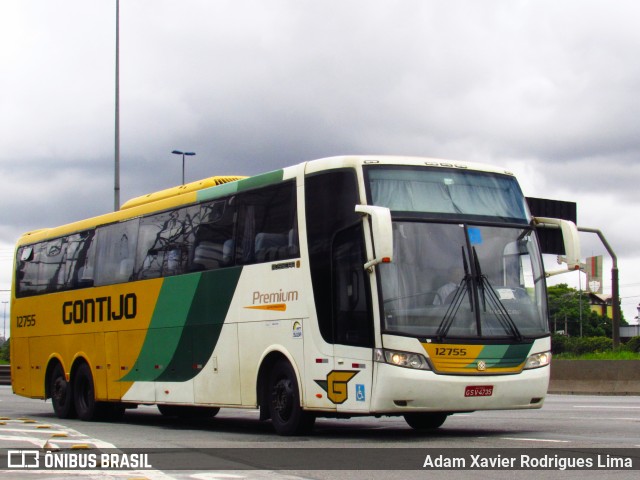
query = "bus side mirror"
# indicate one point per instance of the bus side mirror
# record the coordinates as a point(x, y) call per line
point(382, 233)
point(570, 238)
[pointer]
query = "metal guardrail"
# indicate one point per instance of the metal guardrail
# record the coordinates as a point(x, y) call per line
point(5, 375)
point(630, 331)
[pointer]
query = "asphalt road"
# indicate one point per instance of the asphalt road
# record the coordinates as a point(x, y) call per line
point(564, 424)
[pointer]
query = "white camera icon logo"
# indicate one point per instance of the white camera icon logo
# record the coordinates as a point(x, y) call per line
point(23, 459)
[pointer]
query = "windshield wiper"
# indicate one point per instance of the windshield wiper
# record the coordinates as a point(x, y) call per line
point(489, 295)
point(464, 287)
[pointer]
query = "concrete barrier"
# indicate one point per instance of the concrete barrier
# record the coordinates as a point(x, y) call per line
point(595, 377)
point(5, 375)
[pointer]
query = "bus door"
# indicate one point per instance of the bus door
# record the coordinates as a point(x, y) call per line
point(342, 295)
point(351, 379)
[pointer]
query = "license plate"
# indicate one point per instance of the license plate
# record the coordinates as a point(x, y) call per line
point(478, 391)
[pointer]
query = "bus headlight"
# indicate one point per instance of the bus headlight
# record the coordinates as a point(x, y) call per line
point(401, 359)
point(538, 360)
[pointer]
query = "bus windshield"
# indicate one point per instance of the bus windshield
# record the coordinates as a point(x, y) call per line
point(466, 263)
point(463, 281)
point(448, 193)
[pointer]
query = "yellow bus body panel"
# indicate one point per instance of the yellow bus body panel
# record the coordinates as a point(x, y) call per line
point(69, 325)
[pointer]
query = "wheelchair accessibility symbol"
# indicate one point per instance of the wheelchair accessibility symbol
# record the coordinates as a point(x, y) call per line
point(360, 397)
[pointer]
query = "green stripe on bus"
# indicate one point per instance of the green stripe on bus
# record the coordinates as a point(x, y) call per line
point(203, 325)
point(503, 356)
point(185, 326)
point(218, 191)
point(515, 355)
point(165, 329)
point(268, 178)
point(230, 188)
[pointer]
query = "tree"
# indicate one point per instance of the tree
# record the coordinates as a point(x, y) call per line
point(564, 309)
point(4, 350)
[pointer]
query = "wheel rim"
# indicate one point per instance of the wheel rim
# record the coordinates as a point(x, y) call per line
point(282, 398)
point(59, 390)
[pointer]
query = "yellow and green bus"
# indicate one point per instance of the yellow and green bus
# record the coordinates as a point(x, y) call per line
point(345, 286)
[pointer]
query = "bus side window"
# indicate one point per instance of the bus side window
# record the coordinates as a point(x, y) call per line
point(213, 243)
point(86, 261)
point(267, 225)
point(52, 266)
point(164, 243)
point(75, 259)
point(28, 262)
point(40, 267)
point(52, 260)
point(115, 252)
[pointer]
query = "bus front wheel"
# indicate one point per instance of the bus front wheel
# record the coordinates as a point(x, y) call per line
point(425, 421)
point(287, 415)
point(61, 393)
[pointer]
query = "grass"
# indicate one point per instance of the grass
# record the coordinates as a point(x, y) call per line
point(610, 355)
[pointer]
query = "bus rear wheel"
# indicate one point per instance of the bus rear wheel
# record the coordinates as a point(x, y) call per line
point(84, 398)
point(84, 393)
point(287, 415)
point(61, 393)
point(425, 421)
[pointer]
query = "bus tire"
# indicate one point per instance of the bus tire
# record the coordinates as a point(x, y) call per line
point(425, 421)
point(84, 393)
point(61, 393)
point(287, 415)
point(187, 411)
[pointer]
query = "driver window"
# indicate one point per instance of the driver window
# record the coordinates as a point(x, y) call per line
point(352, 314)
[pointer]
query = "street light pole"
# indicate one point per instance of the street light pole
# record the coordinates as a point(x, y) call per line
point(116, 176)
point(178, 152)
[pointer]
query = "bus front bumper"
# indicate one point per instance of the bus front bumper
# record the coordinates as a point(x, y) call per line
point(400, 390)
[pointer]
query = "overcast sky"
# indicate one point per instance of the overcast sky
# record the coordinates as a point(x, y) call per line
point(549, 89)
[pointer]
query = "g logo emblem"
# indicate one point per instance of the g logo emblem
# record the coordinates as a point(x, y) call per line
point(482, 366)
point(336, 385)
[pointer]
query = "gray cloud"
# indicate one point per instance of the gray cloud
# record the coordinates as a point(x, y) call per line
point(548, 89)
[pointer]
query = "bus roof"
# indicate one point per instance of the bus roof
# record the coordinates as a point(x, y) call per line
point(353, 160)
point(216, 186)
point(179, 190)
point(157, 201)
